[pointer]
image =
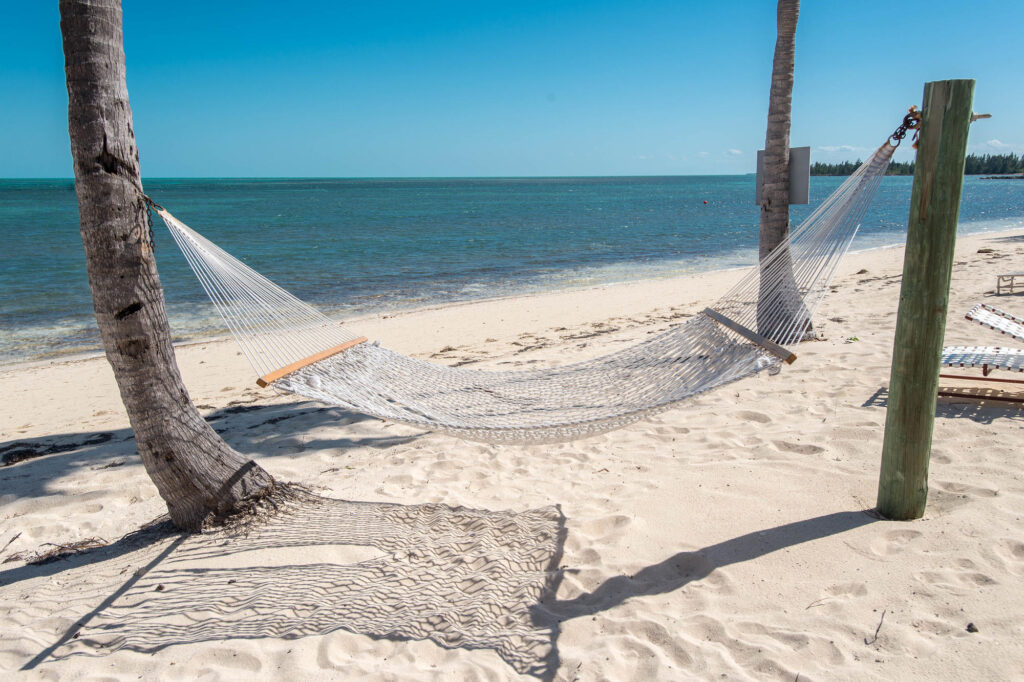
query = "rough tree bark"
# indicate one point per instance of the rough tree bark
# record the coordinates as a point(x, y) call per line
point(195, 471)
point(775, 190)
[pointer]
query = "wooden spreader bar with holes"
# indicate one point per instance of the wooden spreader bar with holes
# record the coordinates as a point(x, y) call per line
point(268, 379)
point(775, 349)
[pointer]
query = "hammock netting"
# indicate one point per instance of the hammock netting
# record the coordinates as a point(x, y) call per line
point(777, 299)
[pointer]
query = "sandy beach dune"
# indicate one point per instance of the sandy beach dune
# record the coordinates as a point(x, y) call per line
point(730, 538)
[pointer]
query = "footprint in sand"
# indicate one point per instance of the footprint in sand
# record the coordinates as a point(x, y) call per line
point(1013, 547)
point(751, 416)
point(955, 580)
point(846, 590)
point(933, 627)
point(1011, 551)
point(964, 489)
point(588, 557)
point(606, 526)
point(400, 480)
point(790, 639)
point(893, 542)
point(798, 448)
point(833, 597)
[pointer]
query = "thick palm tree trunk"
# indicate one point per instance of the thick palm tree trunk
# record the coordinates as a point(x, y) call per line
point(783, 296)
point(775, 192)
point(196, 472)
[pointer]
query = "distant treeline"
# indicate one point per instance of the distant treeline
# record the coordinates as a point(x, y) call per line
point(985, 164)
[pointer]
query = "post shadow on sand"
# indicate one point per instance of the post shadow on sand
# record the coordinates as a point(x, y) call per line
point(977, 410)
point(459, 577)
point(28, 465)
point(680, 569)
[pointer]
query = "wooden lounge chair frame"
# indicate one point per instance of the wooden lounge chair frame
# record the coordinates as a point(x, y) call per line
point(1009, 282)
point(986, 369)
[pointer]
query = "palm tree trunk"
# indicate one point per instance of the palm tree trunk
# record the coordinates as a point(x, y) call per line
point(195, 471)
point(784, 296)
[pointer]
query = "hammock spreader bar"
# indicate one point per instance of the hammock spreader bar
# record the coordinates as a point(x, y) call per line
point(787, 356)
point(268, 379)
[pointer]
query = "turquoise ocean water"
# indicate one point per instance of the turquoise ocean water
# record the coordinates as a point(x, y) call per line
point(361, 246)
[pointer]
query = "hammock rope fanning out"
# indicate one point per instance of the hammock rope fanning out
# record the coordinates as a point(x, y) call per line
point(300, 350)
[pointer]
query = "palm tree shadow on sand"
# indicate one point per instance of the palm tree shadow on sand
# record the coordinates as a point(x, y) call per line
point(462, 578)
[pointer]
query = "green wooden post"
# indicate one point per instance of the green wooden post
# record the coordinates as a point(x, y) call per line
point(924, 298)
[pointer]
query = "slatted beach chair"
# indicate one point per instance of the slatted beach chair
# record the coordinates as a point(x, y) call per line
point(996, 319)
point(988, 358)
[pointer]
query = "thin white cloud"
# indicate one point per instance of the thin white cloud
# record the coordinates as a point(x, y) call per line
point(703, 154)
point(734, 152)
point(840, 148)
point(995, 146)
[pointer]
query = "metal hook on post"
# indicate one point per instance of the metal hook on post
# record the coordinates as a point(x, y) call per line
point(912, 121)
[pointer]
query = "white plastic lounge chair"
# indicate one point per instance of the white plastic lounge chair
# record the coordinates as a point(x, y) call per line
point(987, 358)
point(996, 319)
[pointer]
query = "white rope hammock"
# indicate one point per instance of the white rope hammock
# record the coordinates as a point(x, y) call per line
point(297, 349)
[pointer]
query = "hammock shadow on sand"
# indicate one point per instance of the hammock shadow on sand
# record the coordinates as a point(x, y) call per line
point(459, 577)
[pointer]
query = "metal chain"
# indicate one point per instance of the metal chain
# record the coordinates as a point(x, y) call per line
point(912, 121)
point(150, 205)
point(149, 221)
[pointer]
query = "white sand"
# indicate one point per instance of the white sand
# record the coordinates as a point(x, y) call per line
point(724, 539)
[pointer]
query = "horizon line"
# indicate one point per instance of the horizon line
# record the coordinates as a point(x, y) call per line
point(397, 177)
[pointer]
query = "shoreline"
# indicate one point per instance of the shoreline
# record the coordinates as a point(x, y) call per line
point(223, 335)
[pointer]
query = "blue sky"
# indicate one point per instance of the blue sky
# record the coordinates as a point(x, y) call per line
point(374, 89)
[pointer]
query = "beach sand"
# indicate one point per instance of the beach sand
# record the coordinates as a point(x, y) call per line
point(729, 538)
